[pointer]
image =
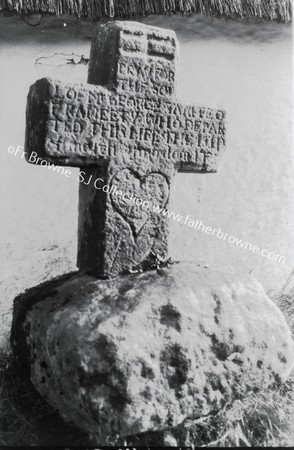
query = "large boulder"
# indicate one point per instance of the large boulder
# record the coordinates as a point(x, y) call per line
point(145, 351)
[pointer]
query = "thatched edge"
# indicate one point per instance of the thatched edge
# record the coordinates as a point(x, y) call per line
point(280, 10)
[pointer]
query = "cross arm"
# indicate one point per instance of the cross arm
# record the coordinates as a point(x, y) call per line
point(80, 125)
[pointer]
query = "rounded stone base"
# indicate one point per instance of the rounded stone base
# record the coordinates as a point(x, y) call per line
point(145, 351)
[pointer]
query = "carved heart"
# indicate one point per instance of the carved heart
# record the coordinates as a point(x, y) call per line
point(142, 192)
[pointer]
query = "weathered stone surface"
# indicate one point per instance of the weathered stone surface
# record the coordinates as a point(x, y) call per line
point(131, 133)
point(81, 125)
point(121, 226)
point(137, 58)
point(143, 352)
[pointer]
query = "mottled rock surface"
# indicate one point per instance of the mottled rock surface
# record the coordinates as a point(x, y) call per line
point(145, 351)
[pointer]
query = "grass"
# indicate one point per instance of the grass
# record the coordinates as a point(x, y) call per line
point(25, 417)
point(280, 10)
point(262, 419)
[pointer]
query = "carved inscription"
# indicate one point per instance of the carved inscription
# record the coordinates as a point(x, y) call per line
point(147, 62)
point(153, 77)
point(95, 124)
point(140, 59)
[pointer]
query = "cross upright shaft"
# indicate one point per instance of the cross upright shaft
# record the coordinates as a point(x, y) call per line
point(130, 135)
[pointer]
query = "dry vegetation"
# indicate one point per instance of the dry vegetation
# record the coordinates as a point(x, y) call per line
point(25, 417)
point(266, 9)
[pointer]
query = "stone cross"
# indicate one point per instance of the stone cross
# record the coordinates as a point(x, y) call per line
point(129, 135)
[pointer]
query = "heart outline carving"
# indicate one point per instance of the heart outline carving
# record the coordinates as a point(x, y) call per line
point(151, 188)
